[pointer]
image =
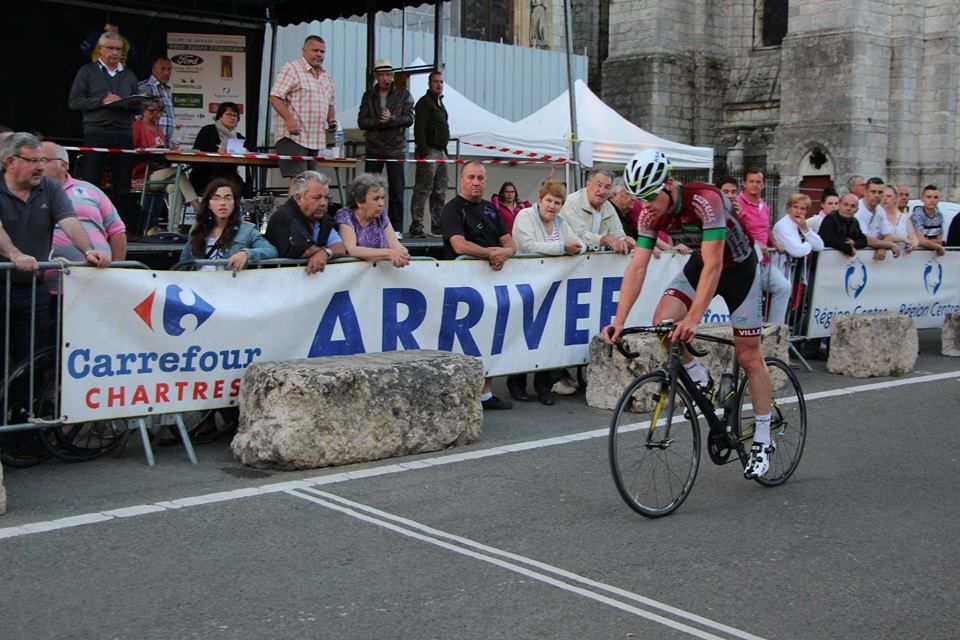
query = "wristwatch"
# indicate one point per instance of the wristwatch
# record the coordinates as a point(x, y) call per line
point(329, 252)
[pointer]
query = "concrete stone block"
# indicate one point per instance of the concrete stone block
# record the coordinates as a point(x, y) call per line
point(950, 335)
point(306, 414)
point(872, 345)
point(609, 372)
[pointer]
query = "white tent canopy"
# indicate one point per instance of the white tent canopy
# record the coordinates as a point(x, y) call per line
point(472, 123)
point(614, 138)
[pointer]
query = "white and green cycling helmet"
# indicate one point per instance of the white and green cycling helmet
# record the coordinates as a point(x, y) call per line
point(646, 173)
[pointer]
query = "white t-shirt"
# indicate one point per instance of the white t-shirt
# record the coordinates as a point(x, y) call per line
point(872, 224)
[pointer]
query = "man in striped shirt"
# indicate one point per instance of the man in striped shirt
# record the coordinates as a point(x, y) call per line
point(303, 97)
point(158, 86)
point(97, 214)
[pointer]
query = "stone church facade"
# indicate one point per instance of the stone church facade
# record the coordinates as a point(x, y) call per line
point(817, 90)
point(854, 87)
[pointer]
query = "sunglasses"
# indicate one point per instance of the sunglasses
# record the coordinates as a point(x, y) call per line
point(651, 194)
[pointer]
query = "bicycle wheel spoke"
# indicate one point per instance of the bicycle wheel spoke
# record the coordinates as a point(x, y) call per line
point(788, 425)
point(654, 459)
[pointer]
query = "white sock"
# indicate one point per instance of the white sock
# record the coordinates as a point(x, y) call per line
point(762, 432)
point(698, 372)
point(489, 394)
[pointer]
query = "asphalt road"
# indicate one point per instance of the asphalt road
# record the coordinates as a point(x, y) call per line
point(519, 536)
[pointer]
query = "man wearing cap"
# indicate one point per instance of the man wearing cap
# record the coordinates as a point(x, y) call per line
point(303, 97)
point(386, 112)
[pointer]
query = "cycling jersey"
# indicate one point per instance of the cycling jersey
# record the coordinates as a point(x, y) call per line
point(700, 214)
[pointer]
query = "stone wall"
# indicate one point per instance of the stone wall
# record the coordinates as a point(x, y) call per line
point(871, 83)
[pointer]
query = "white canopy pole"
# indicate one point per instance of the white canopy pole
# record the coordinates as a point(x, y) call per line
point(573, 95)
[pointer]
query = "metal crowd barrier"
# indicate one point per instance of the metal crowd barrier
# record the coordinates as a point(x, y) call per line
point(197, 264)
point(31, 386)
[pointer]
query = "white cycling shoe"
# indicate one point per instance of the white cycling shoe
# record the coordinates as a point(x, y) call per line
point(759, 462)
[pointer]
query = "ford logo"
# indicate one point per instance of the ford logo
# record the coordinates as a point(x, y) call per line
point(187, 60)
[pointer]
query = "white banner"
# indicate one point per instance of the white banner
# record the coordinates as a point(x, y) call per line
point(207, 69)
point(919, 285)
point(179, 341)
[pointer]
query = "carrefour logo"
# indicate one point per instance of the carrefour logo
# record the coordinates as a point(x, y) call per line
point(855, 278)
point(173, 309)
point(932, 276)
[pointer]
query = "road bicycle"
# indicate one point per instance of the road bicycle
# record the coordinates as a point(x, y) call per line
point(654, 443)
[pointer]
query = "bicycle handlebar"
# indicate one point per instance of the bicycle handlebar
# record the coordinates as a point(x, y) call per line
point(664, 329)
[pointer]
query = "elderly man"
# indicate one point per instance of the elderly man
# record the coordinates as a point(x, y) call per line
point(472, 227)
point(158, 86)
point(840, 230)
point(96, 87)
point(857, 185)
point(431, 132)
point(303, 96)
point(386, 112)
point(300, 228)
point(93, 208)
point(593, 218)
point(30, 205)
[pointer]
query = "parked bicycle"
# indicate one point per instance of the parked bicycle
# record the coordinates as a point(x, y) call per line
point(654, 443)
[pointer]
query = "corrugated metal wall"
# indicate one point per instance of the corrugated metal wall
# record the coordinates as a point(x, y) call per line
point(510, 81)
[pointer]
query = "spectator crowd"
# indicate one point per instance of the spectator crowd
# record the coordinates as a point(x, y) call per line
point(47, 213)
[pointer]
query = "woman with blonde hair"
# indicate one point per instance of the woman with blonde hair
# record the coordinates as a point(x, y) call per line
point(541, 229)
point(898, 224)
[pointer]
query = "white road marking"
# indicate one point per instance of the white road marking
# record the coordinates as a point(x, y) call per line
point(514, 562)
point(391, 468)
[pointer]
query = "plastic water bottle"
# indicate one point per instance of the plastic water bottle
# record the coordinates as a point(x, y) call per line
point(338, 139)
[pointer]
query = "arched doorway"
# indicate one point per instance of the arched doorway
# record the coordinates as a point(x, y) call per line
point(816, 174)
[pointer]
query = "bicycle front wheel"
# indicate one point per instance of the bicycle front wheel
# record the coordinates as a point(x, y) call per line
point(654, 448)
point(788, 422)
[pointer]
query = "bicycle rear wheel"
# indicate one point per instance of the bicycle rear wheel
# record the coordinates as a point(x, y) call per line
point(788, 422)
point(654, 456)
point(25, 448)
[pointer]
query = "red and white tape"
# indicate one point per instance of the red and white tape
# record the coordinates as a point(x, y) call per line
point(531, 159)
point(520, 152)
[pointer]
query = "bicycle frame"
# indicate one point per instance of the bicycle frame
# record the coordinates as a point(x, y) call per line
point(676, 373)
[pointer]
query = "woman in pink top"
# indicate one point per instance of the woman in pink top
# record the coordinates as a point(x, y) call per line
point(508, 204)
point(147, 134)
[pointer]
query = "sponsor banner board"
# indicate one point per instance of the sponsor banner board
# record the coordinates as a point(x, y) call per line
point(171, 341)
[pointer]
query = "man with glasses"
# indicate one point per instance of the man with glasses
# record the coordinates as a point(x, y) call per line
point(30, 205)
point(96, 88)
point(158, 86)
point(723, 263)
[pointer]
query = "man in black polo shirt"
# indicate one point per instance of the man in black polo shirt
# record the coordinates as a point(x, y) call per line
point(300, 228)
point(472, 227)
point(30, 205)
point(98, 90)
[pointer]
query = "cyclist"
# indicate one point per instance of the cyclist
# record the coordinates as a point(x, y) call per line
point(724, 263)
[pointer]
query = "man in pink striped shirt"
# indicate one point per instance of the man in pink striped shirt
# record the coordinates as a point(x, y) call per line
point(96, 213)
